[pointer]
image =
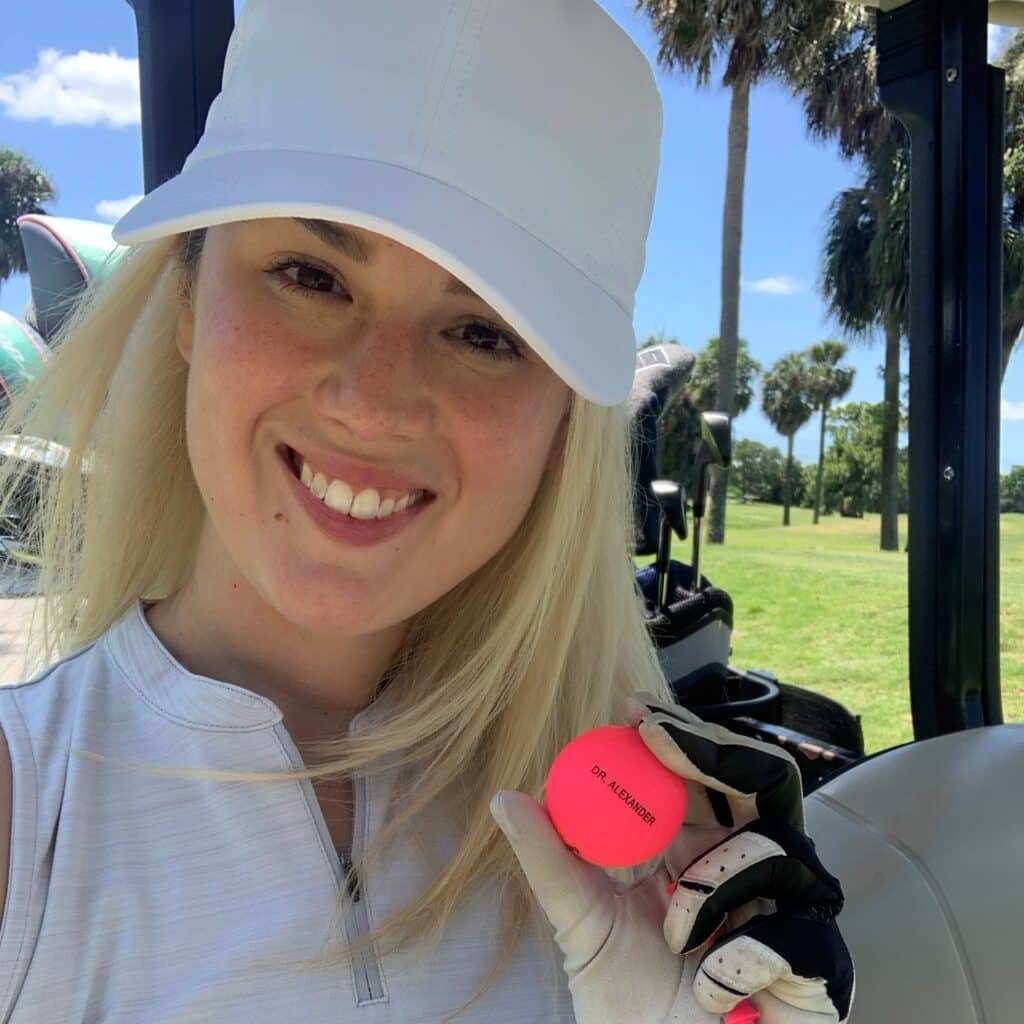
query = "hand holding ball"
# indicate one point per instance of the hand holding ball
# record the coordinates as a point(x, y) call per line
point(612, 802)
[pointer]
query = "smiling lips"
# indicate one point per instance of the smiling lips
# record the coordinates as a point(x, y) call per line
point(338, 495)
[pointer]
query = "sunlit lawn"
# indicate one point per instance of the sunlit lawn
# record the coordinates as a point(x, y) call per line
point(822, 607)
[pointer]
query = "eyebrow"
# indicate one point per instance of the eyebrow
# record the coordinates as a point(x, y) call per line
point(347, 242)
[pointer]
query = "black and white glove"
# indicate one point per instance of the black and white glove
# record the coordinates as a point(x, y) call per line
point(738, 908)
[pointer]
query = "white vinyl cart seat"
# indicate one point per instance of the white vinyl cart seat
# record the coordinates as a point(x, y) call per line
point(928, 842)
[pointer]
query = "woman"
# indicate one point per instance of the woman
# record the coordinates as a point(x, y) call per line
point(325, 591)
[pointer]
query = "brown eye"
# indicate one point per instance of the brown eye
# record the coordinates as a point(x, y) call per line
point(490, 338)
point(308, 280)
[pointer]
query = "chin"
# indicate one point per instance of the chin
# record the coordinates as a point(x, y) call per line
point(326, 605)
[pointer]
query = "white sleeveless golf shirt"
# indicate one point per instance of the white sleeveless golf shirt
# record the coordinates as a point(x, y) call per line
point(136, 898)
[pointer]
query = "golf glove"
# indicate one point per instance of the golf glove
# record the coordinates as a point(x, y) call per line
point(739, 906)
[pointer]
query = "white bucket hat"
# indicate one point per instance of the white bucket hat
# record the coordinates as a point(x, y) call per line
point(516, 143)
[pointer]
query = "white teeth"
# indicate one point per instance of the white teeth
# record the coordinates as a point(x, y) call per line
point(339, 496)
point(365, 505)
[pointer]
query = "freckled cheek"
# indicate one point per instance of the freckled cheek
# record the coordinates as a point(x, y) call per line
point(503, 451)
point(242, 351)
point(242, 370)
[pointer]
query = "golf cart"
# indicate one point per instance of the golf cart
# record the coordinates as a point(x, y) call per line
point(64, 256)
point(926, 837)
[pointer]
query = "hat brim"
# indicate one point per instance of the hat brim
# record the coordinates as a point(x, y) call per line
point(582, 334)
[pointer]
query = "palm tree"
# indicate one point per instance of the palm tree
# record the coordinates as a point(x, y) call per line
point(23, 188)
point(1013, 288)
point(755, 40)
point(829, 382)
point(838, 86)
point(1012, 60)
point(840, 98)
point(866, 281)
point(702, 386)
point(785, 398)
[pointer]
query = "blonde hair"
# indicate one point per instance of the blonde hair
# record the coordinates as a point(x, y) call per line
point(541, 643)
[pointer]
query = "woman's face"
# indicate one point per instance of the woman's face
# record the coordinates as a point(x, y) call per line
point(294, 343)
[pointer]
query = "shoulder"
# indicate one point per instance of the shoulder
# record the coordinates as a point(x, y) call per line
point(55, 681)
point(40, 716)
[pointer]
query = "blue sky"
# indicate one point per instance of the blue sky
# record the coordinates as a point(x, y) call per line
point(69, 99)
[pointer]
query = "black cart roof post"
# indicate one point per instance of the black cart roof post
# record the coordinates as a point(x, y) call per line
point(181, 59)
point(934, 76)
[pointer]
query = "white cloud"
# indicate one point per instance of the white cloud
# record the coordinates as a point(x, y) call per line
point(775, 285)
point(1012, 410)
point(79, 88)
point(114, 209)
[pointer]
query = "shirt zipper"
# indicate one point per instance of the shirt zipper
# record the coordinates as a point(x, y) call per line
point(366, 971)
point(366, 966)
point(353, 882)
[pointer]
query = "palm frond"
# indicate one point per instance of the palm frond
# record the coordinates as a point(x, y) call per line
point(785, 394)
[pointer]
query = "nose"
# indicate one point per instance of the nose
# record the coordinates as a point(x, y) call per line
point(377, 386)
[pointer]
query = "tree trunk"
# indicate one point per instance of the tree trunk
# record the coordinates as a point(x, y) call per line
point(821, 464)
point(728, 334)
point(787, 487)
point(890, 438)
point(1011, 332)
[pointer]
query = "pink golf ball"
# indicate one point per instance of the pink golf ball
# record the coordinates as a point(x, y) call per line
point(612, 802)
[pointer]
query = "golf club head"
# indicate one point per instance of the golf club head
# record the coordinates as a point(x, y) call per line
point(671, 499)
point(716, 434)
point(714, 449)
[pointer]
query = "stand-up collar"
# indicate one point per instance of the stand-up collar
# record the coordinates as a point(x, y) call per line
point(192, 699)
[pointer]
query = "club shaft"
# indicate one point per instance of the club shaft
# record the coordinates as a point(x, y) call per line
point(664, 556)
point(697, 523)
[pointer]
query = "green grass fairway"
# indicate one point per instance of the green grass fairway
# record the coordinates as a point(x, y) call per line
point(822, 607)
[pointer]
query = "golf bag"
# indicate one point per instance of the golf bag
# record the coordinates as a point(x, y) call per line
point(690, 622)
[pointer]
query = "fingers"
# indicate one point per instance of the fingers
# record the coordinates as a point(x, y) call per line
point(746, 779)
point(789, 958)
point(575, 896)
point(773, 1010)
point(766, 860)
point(793, 967)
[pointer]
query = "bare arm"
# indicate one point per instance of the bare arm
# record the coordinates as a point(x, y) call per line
point(6, 792)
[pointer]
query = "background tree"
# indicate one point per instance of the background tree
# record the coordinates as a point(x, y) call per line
point(852, 478)
point(23, 189)
point(866, 284)
point(838, 86)
point(1011, 490)
point(786, 402)
point(759, 474)
point(751, 40)
point(703, 385)
point(1012, 59)
point(829, 381)
point(866, 276)
point(757, 471)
